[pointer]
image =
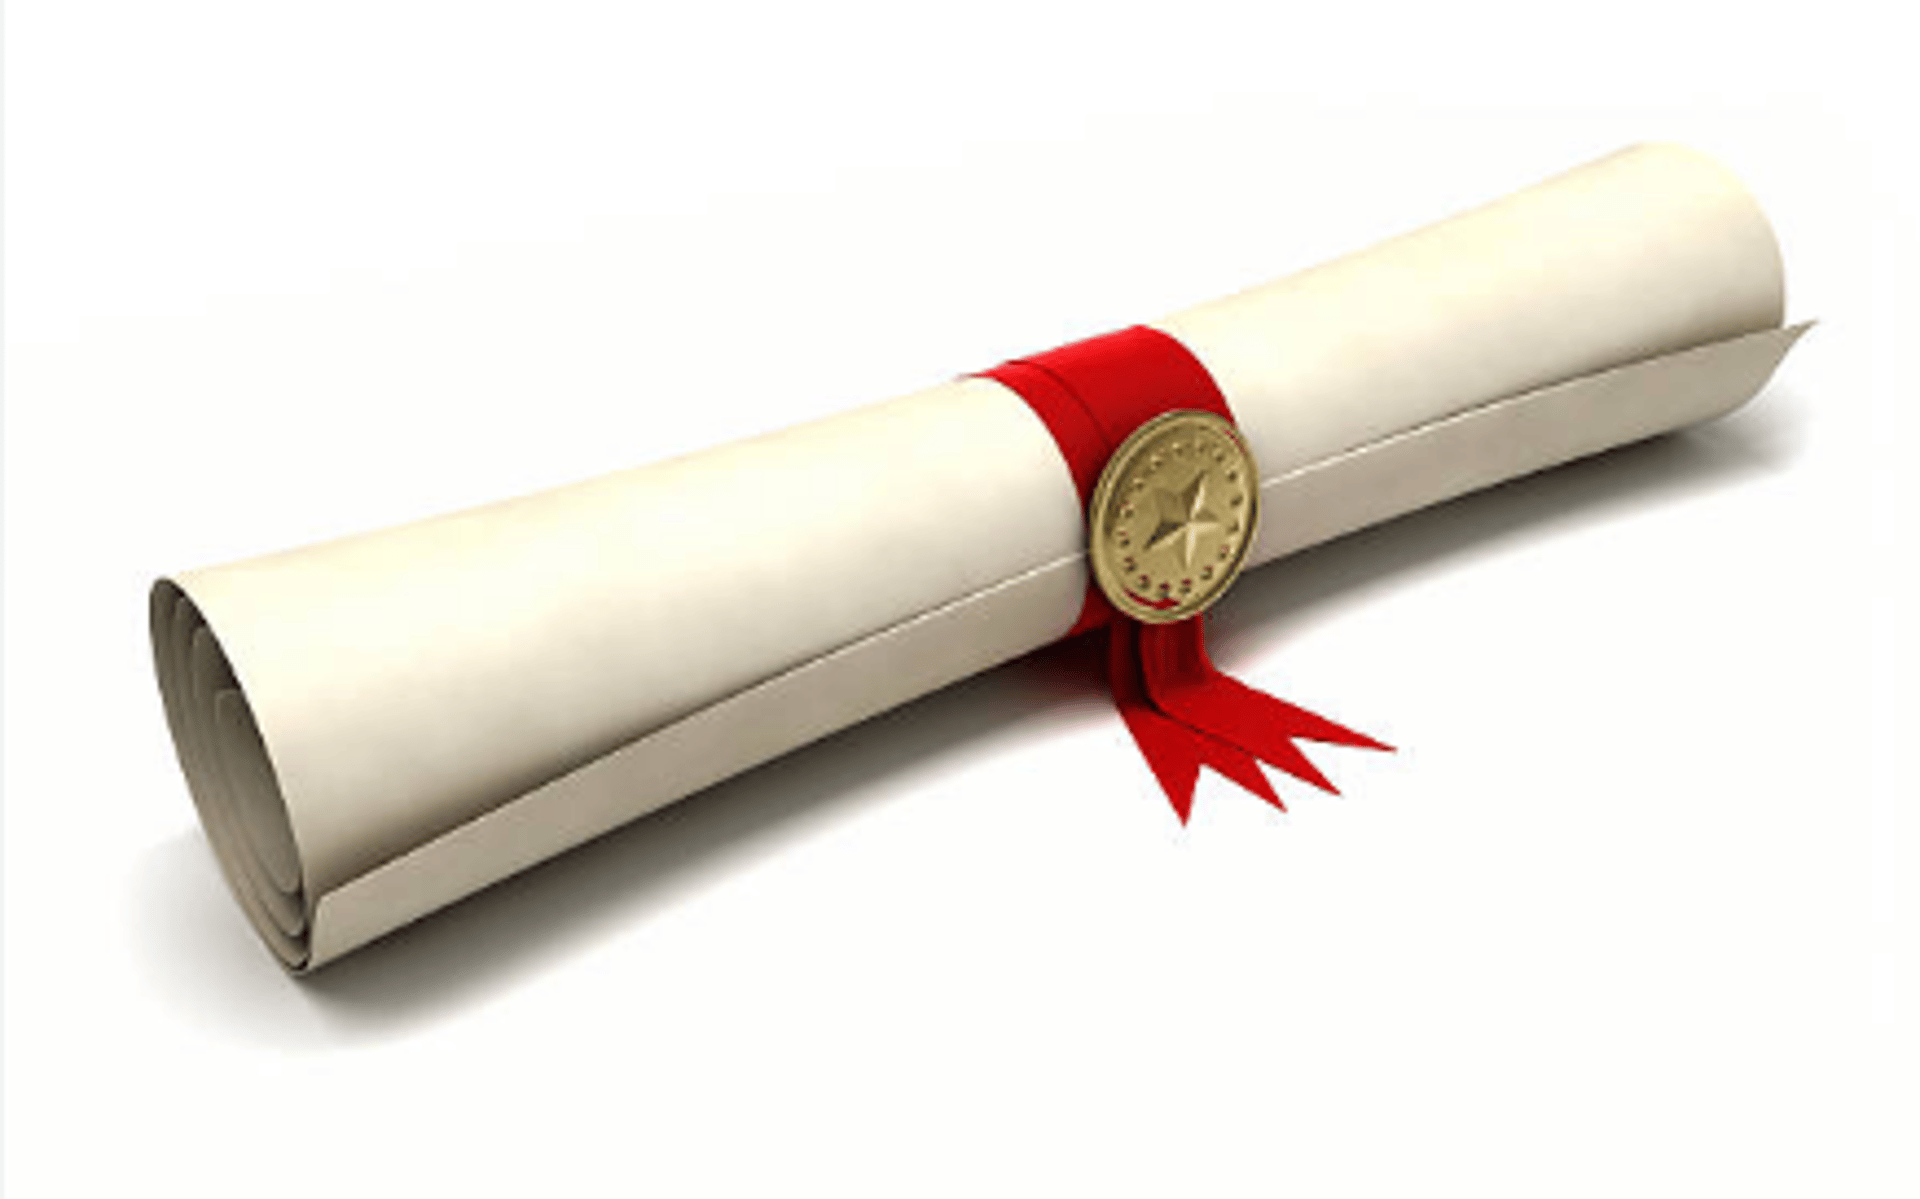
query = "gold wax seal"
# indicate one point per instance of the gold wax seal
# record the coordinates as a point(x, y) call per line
point(1173, 515)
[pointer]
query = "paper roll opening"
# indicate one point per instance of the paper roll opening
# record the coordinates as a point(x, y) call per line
point(230, 774)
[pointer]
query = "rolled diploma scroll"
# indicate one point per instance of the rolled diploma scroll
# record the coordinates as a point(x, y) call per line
point(379, 725)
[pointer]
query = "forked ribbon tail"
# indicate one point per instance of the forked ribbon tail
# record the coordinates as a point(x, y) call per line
point(1184, 714)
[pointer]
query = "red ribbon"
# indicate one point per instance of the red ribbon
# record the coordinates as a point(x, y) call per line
point(1182, 711)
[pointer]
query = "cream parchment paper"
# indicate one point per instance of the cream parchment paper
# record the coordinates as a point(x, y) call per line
point(377, 726)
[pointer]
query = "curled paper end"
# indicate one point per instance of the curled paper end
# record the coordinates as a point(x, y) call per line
point(229, 774)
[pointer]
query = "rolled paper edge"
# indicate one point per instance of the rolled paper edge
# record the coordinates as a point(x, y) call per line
point(230, 777)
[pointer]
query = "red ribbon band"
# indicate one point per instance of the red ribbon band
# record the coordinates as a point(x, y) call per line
point(1182, 711)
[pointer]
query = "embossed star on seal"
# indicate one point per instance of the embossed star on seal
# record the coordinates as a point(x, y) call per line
point(1184, 518)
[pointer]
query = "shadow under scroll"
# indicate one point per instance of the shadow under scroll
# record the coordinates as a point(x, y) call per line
point(490, 943)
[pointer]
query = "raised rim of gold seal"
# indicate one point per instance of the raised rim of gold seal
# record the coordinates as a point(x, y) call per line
point(1173, 516)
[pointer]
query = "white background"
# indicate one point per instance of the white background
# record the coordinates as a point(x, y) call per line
point(1631, 912)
